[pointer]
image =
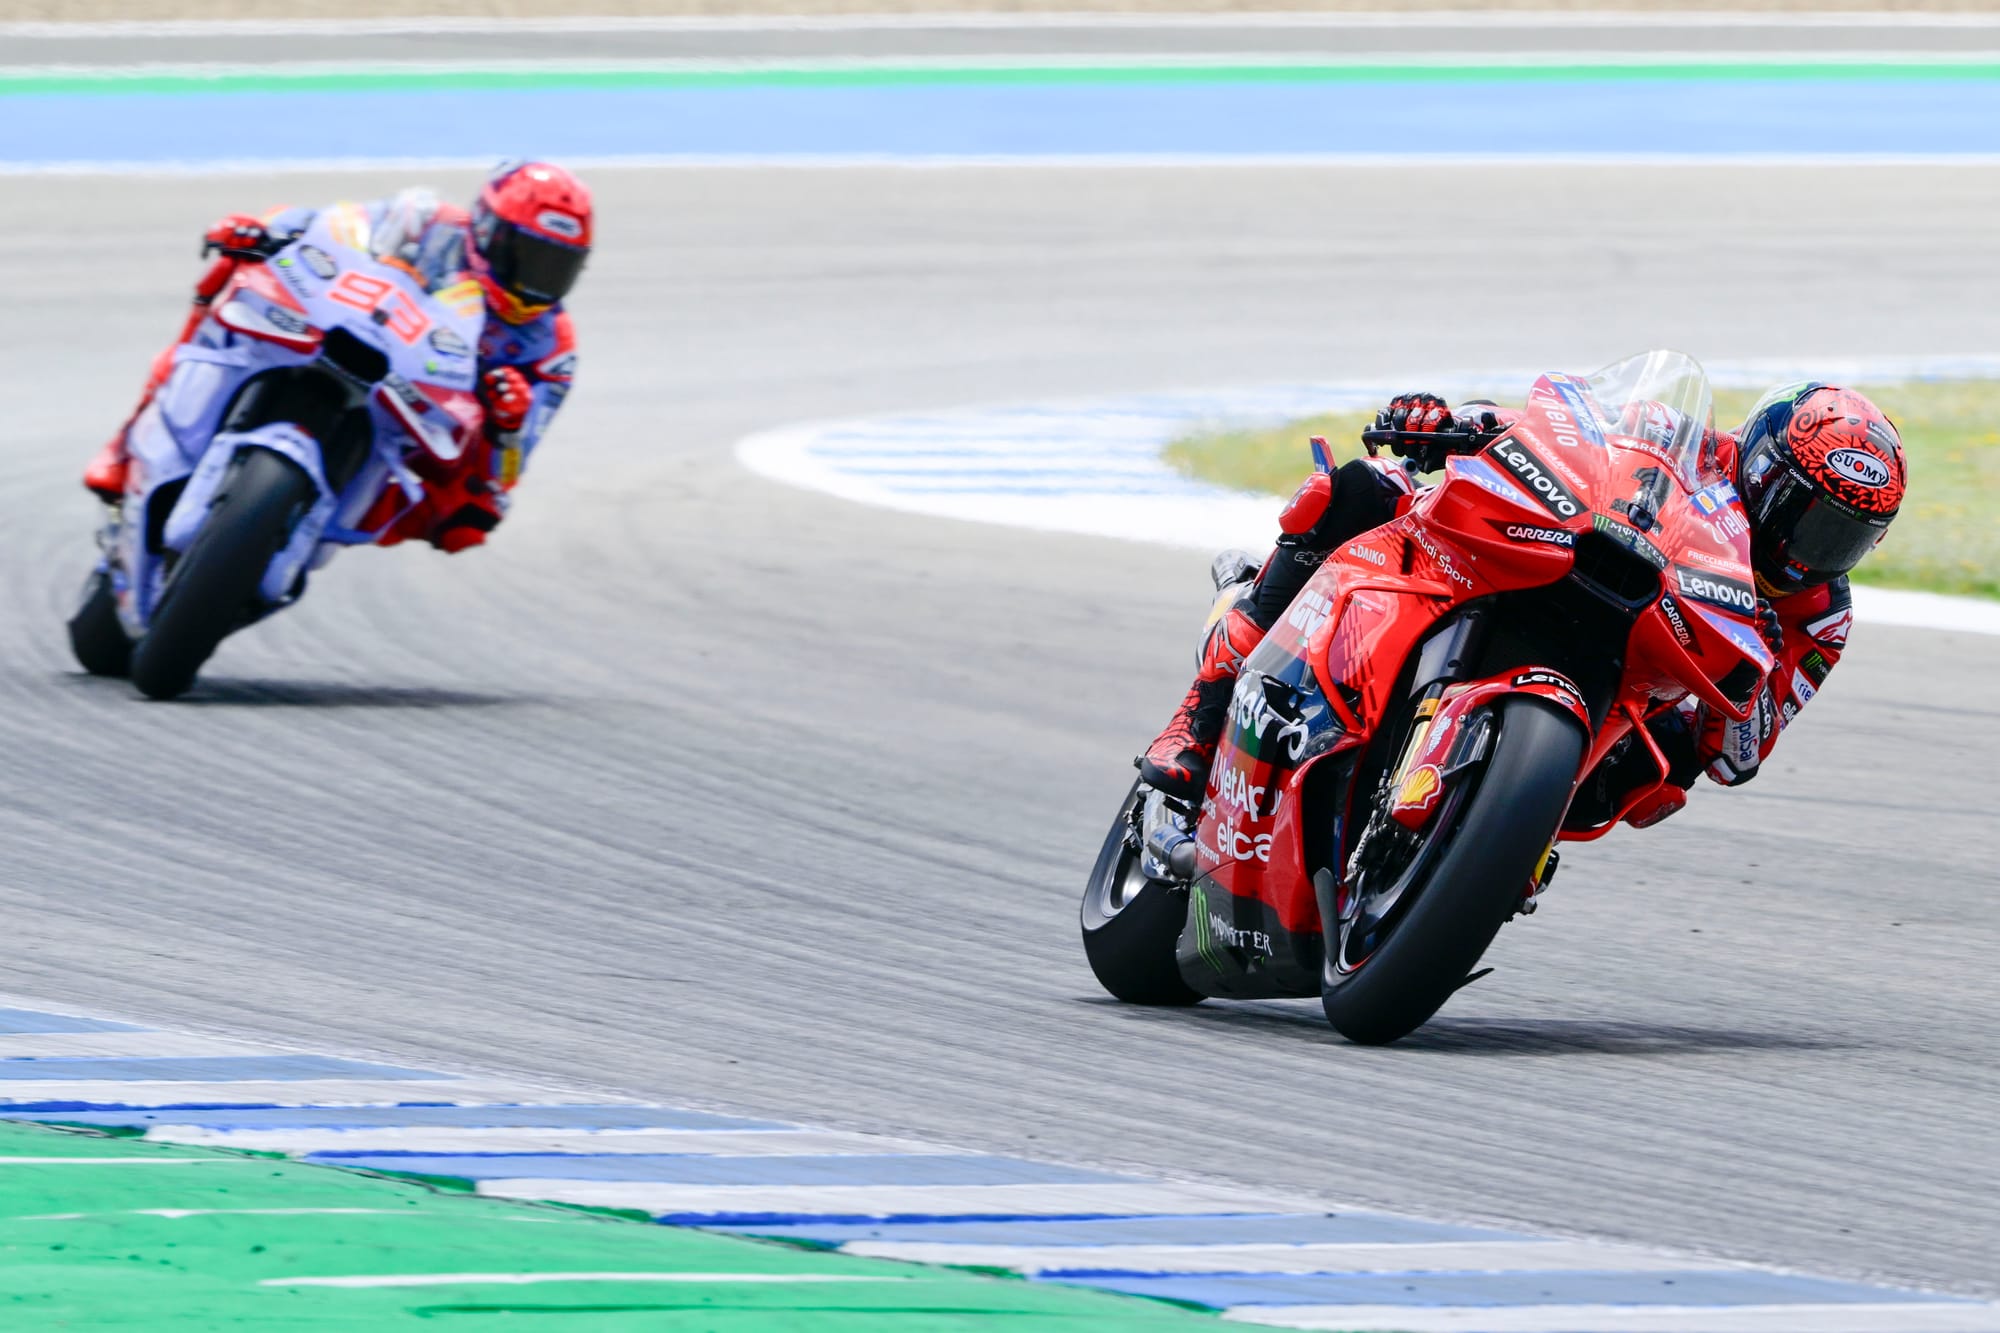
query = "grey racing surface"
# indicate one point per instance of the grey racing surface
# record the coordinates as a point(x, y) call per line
point(1298, 36)
point(699, 787)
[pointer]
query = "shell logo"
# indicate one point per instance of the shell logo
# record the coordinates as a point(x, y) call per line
point(1418, 794)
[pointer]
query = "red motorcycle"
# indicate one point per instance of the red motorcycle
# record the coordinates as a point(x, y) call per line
point(1402, 749)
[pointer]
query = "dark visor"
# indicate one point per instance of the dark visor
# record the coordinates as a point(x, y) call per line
point(1829, 540)
point(539, 271)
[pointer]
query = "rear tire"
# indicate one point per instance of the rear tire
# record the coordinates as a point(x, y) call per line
point(212, 588)
point(1132, 925)
point(1505, 825)
point(96, 636)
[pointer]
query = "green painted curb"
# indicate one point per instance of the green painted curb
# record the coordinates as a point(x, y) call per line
point(416, 78)
point(117, 1233)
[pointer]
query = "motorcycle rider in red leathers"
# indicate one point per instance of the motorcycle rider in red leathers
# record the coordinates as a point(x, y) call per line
point(1821, 474)
point(524, 241)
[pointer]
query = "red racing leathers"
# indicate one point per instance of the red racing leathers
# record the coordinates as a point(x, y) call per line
point(1813, 625)
point(1807, 631)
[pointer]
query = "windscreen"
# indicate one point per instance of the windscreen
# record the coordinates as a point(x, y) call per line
point(1661, 398)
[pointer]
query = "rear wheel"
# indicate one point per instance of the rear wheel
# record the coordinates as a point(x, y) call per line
point(1409, 942)
point(213, 587)
point(95, 635)
point(1132, 924)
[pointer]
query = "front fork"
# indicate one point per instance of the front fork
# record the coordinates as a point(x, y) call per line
point(1451, 731)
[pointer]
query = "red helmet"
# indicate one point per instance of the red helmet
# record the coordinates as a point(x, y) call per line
point(530, 236)
point(1822, 475)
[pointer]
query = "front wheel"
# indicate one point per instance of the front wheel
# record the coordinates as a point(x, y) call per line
point(101, 645)
point(1466, 878)
point(212, 589)
point(1132, 924)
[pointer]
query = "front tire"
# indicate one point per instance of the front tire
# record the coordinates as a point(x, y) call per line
point(212, 589)
point(1131, 924)
point(1501, 829)
point(101, 645)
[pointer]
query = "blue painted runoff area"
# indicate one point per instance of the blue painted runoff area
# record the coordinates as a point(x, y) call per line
point(403, 1117)
point(1180, 1229)
point(1880, 116)
point(21, 1022)
point(1714, 1287)
point(686, 1169)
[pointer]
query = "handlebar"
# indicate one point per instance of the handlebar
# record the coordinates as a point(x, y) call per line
point(1419, 438)
point(1426, 448)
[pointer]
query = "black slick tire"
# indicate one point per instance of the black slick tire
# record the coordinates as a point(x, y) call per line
point(1503, 828)
point(1131, 925)
point(101, 645)
point(212, 588)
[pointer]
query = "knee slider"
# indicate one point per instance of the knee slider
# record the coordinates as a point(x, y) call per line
point(1307, 506)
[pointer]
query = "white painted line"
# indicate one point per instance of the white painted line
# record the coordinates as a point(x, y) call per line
point(527, 1279)
point(1925, 610)
point(1140, 1199)
point(177, 1214)
point(131, 1161)
point(1094, 467)
point(442, 1139)
point(278, 166)
point(303, 1092)
point(1360, 19)
point(116, 1045)
point(1137, 1198)
point(1887, 1317)
point(1497, 1256)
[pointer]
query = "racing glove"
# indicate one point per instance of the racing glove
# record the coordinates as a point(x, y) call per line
point(1768, 625)
point(1422, 412)
point(240, 236)
point(1427, 415)
point(507, 395)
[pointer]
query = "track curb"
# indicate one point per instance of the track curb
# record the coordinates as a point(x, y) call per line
point(1092, 467)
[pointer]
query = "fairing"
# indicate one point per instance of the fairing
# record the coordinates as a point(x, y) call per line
point(415, 369)
point(1599, 488)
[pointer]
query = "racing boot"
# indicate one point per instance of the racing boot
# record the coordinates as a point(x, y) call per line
point(1177, 761)
point(105, 477)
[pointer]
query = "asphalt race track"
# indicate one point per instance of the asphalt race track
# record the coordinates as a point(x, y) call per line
point(913, 35)
point(709, 790)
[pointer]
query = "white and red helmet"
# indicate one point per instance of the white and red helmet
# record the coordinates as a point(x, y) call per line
point(531, 230)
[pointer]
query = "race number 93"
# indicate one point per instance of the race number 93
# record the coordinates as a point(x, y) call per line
point(400, 315)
